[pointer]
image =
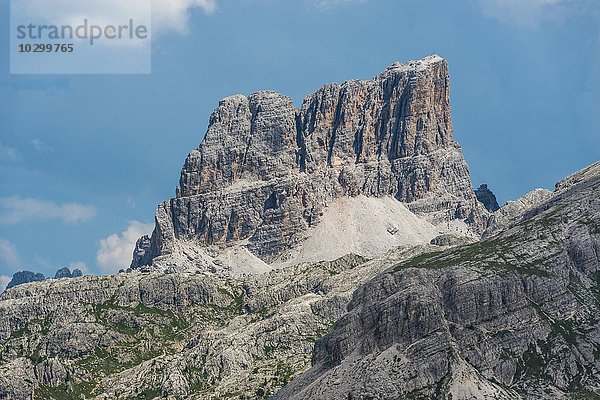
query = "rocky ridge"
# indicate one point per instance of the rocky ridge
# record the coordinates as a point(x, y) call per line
point(22, 277)
point(511, 212)
point(149, 335)
point(65, 272)
point(513, 316)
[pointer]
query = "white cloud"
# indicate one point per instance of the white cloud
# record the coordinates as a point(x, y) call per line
point(174, 15)
point(325, 4)
point(80, 265)
point(16, 209)
point(167, 15)
point(526, 13)
point(40, 146)
point(4, 279)
point(9, 256)
point(9, 154)
point(116, 251)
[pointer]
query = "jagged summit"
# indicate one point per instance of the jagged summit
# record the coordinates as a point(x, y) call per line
point(23, 277)
point(487, 197)
point(266, 172)
point(414, 65)
point(404, 113)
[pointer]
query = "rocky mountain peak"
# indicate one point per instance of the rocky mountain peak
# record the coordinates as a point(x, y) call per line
point(330, 251)
point(265, 172)
point(405, 111)
point(22, 277)
point(65, 272)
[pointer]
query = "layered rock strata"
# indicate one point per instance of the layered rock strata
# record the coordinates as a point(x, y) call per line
point(513, 316)
point(266, 171)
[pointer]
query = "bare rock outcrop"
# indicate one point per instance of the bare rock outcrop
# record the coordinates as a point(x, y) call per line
point(266, 171)
point(242, 293)
point(513, 316)
point(513, 211)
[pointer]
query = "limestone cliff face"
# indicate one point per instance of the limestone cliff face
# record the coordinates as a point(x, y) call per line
point(265, 171)
point(171, 336)
point(510, 317)
point(513, 316)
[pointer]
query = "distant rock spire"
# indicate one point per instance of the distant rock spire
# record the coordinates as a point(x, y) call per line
point(22, 277)
point(487, 197)
point(66, 273)
point(63, 273)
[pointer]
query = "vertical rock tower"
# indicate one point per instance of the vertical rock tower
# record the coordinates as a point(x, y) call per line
point(266, 171)
point(487, 197)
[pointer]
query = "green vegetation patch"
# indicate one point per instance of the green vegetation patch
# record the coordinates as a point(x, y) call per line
point(583, 394)
point(282, 375)
point(66, 392)
point(489, 254)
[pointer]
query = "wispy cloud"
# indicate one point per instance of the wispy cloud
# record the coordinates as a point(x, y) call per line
point(167, 15)
point(9, 154)
point(525, 13)
point(16, 209)
point(9, 256)
point(4, 279)
point(41, 146)
point(43, 263)
point(115, 251)
point(326, 4)
point(80, 265)
point(174, 15)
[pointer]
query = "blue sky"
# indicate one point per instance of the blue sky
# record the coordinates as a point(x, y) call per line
point(84, 160)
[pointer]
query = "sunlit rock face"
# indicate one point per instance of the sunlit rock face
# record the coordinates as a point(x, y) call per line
point(266, 171)
point(514, 316)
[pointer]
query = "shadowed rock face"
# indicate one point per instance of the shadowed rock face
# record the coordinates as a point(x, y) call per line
point(487, 198)
point(66, 273)
point(513, 316)
point(142, 245)
point(22, 277)
point(266, 170)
